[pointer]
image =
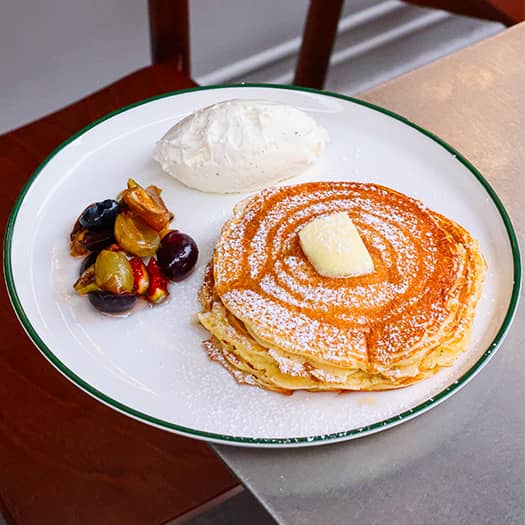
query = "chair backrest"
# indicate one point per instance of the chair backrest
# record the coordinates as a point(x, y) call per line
point(508, 12)
point(170, 31)
point(170, 37)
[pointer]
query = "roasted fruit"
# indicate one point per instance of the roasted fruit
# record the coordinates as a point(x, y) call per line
point(136, 236)
point(100, 215)
point(113, 272)
point(111, 303)
point(147, 204)
point(87, 262)
point(114, 235)
point(177, 255)
point(84, 241)
point(86, 282)
point(158, 284)
point(140, 276)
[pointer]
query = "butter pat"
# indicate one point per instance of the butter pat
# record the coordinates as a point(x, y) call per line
point(334, 247)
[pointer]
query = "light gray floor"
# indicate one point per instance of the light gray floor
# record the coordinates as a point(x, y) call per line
point(239, 509)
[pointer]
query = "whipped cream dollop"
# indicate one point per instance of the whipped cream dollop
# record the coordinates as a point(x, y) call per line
point(240, 145)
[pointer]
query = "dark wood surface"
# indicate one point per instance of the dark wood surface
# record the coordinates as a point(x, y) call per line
point(64, 457)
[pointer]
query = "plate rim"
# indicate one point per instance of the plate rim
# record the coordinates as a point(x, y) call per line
point(261, 441)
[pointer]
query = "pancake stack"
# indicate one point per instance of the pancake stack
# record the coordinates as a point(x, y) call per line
point(278, 324)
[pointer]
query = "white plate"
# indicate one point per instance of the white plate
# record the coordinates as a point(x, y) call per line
point(150, 365)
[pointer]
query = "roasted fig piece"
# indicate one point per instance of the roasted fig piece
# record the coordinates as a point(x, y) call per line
point(87, 262)
point(140, 276)
point(76, 246)
point(147, 204)
point(111, 303)
point(136, 236)
point(113, 272)
point(86, 282)
point(100, 215)
point(158, 284)
point(177, 255)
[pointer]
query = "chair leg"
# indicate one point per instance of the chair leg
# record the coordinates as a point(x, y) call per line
point(170, 33)
point(319, 34)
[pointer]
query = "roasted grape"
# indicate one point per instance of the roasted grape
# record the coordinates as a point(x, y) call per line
point(100, 215)
point(112, 303)
point(113, 272)
point(135, 236)
point(95, 241)
point(177, 255)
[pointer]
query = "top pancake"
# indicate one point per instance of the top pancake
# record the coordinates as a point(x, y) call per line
point(372, 322)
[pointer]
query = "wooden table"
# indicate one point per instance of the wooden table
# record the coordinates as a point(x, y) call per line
point(463, 462)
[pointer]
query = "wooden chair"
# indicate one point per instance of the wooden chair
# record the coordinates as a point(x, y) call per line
point(508, 12)
point(64, 457)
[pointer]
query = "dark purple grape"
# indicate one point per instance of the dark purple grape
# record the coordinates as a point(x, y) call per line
point(112, 303)
point(100, 215)
point(94, 241)
point(87, 262)
point(177, 255)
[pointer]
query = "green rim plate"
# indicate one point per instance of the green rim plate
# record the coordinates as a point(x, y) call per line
point(247, 441)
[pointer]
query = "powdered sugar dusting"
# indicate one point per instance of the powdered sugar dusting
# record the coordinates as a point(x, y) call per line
point(267, 281)
point(217, 354)
point(288, 366)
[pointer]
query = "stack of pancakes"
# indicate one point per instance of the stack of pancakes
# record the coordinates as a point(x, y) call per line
point(276, 323)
